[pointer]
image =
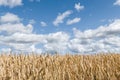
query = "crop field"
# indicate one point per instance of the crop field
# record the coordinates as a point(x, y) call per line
point(60, 67)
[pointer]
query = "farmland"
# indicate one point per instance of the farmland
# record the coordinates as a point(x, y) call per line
point(60, 67)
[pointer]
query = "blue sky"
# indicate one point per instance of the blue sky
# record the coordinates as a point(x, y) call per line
point(75, 26)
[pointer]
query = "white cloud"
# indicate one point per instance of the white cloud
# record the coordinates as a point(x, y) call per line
point(10, 23)
point(60, 18)
point(10, 3)
point(22, 42)
point(12, 31)
point(9, 17)
point(34, 49)
point(17, 27)
point(5, 50)
point(75, 20)
point(102, 39)
point(101, 31)
point(57, 42)
point(19, 37)
point(43, 24)
point(23, 38)
point(25, 42)
point(117, 2)
point(78, 7)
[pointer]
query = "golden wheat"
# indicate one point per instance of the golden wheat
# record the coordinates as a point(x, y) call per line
point(60, 67)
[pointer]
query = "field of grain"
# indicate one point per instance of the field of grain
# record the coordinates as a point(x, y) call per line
point(60, 67)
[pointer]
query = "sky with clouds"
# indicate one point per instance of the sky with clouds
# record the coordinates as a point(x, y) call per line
point(64, 26)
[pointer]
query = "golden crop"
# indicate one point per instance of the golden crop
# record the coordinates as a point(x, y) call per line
point(60, 67)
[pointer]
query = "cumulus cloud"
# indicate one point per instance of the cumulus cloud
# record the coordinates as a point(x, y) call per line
point(9, 17)
point(23, 42)
point(34, 49)
point(43, 24)
point(10, 28)
point(12, 31)
point(101, 32)
point(19, 37)
point(117, 2)
point(60, 18)
point(10, 23)
point(23, 38)
point(73, 21)
point(56, 41)
point(78, 7)
point(102, 39)
point(10, 3)
point(5, 50)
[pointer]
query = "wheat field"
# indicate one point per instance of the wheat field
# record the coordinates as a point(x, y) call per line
point(60, 67)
